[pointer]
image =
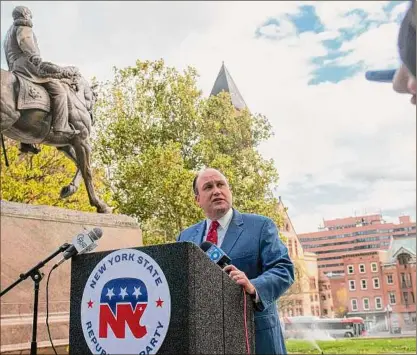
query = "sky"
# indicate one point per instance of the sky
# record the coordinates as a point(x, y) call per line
point(343, 146)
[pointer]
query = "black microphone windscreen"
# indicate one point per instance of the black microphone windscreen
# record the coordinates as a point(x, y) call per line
point(97, 233)
point(206, 245)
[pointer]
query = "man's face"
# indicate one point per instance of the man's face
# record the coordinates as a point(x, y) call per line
point(214, 195)
point(405, 83)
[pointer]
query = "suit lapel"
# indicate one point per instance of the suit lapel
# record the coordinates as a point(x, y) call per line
point(233, 232)
point(199, 233)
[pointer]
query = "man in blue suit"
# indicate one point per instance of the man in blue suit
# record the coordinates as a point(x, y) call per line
point(260, 261)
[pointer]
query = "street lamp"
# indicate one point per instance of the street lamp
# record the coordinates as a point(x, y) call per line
point(388, 309)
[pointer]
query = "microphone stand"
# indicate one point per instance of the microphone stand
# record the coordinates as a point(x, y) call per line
point(36, 276)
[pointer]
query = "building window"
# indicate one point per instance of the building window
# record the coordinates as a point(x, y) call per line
point(374, 267)
point(352, 285)
point(409, 283)
point(325, 312)
point(366, 304)
point(354, 304)
point(389, 279)
point(412, 297)
point(311, 298)
point(362, 268)
point(312, 311)
point(405, 297)
point(316, 298)
point(392, 299)
point(364, 285)
point(403, 283)
point(376, 282)
point(378, 303)
point(323, 297)
point(350, 269)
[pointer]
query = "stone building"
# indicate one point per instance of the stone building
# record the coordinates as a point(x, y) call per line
point(310, 295)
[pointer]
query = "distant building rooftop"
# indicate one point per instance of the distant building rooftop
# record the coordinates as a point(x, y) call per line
point(401, 244)
point(352, 221)
point(225, 82)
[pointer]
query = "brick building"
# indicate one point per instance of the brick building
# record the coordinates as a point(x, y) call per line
point(379, 286)
point(350, 236)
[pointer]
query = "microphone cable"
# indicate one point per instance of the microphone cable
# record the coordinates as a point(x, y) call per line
point(245, 322)
point(47, 310)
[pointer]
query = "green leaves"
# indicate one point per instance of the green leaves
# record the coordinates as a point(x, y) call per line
point(155, 131)
point(38, 179)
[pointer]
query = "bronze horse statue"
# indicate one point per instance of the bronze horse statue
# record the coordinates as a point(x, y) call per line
point(27, 118)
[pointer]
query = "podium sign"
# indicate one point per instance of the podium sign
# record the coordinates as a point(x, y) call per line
point(156, 300)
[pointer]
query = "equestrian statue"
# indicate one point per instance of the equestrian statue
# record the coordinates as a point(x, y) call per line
point(43, 103)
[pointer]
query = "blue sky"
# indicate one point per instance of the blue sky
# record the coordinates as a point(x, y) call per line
point(342, 145)
point(326, 67)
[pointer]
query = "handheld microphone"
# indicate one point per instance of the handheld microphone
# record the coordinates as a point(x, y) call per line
point(82, 243)
point(382, 76)
point(215, 254)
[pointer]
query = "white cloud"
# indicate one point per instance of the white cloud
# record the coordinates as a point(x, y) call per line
point(377, 47)
point(398, 12)
point(333, 13)
point(324, 134)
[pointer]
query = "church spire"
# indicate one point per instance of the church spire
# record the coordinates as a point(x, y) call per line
point(224, 82)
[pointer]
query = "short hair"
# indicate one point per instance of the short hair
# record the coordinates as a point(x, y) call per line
point(195, 189)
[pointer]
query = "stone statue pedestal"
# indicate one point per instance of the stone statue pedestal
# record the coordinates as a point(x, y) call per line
point(29, 233)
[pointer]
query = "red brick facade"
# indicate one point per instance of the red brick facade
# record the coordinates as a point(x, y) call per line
point(380, 286)
point(352, 235)
point(367, 268)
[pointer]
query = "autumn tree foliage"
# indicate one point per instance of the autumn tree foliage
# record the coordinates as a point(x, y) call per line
point(38, 179)
point(156, 130)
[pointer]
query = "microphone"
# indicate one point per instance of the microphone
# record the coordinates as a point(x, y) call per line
point(382, 76)
point(82, 243)
point(215, 254)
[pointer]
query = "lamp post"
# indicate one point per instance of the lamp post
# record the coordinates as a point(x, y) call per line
point(388, 309)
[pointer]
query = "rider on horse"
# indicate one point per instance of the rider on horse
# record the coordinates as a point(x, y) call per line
point(23, 58)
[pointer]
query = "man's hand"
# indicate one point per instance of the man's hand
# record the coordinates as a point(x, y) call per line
point(36, 60)
point(240, 278)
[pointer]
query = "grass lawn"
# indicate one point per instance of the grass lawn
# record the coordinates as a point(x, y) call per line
point(354, 346)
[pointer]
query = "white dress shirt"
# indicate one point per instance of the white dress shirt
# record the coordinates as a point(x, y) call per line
point(222, 228)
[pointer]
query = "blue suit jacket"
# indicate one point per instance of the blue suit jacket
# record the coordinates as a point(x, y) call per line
point(253, 244)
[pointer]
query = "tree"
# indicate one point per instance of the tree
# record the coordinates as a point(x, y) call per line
point(38, 179)
point(342, 301)
point(156, 131)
